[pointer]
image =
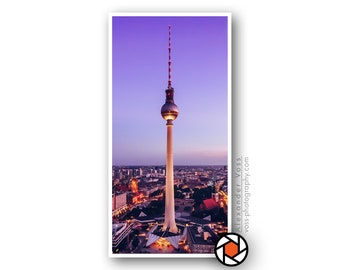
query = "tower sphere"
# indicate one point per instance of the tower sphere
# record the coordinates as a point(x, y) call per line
point(169, 111)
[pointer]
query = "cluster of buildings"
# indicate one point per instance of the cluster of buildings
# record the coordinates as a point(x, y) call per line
point(138, 186)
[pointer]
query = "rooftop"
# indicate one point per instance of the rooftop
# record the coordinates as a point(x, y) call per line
point(202, 235)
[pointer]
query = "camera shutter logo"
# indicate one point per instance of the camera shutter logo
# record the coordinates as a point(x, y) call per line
point(231, 249)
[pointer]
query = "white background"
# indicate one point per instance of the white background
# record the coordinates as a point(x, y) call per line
point(53, 131)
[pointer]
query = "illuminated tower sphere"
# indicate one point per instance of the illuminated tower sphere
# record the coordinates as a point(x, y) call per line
point(169, 112)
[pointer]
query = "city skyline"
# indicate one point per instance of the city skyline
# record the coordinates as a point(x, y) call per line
point(139, 210)
point(139, 81)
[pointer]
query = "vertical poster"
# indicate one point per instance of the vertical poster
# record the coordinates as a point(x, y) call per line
point(169, 133)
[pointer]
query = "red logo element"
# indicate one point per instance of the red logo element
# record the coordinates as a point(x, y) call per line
point(231, 249)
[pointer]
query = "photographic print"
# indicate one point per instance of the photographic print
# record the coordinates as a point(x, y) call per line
point(169, 133)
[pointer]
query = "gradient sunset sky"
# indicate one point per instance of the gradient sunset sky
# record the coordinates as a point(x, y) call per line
point(139, 80)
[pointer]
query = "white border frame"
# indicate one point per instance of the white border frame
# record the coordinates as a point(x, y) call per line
point(109, 199)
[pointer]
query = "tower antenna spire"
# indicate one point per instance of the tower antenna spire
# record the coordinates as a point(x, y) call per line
point(169, 60)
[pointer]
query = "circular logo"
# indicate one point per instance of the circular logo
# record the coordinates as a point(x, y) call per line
point(231, 249)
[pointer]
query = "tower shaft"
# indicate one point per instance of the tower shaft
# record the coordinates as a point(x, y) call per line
point(169, 221)
point(169, 112)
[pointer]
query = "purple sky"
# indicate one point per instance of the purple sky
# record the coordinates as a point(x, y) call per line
point(199, 77)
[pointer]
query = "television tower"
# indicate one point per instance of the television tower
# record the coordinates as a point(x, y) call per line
point(169, 112)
